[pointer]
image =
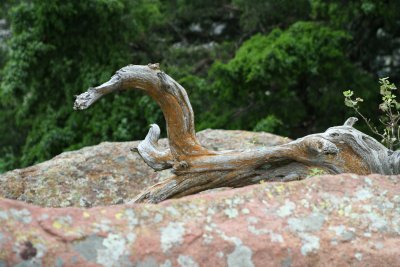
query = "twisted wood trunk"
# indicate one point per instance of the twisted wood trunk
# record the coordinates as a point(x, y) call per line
point(339, 149)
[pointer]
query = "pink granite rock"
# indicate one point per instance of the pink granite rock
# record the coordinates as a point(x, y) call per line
point(343, 220)
point(108, 173)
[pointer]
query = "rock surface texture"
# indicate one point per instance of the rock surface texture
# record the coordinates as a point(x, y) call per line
point(342, 220)
point(108, 173)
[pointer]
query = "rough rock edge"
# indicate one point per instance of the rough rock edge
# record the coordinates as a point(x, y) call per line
point(313, 222)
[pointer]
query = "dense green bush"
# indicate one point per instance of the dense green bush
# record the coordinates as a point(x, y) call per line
point(292, 75)
point(255, 65)
point(59, 48)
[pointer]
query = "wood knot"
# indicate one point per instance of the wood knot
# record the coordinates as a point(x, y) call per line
point(321, 146)
point(180, 165)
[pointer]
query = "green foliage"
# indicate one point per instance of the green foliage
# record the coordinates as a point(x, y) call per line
point(291, 73)
point(52, 58)
point(262, 15)
point(390, 133)
point(268, 124)
point(257, 65)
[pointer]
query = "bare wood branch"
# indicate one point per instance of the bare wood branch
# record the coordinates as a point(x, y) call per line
point(339, 149)
point(171, 97)
point(151, 153)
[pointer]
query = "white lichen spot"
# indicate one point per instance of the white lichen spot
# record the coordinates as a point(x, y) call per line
point(347, 210)
point(305, 203)
point(396, 199)
point(207, 238)
point(368, 181)
point(396, 221)
point(273, 236)
point(378, 245)
point(378, 222)
point(245, 211)
point(367, 234)
point(252, 229)
point(229, 202)
point(342, 232)
point(231, 212)
point(367, 208)
point(172, 235)
point(238, 200)
point(23, 215)
point(187, 261)
point(310, 243)
point(144, 213)
point(41, 250)
point(208, 228)
point(358, 256)
point(211, 211)
point(65, 220)
point(103, 226)
point(2, 239)
point(252, 219)
point(286, 209)
point(131, 237)
point(354, 176)
point(158, 218)
point(240, 257)
point(387, 205)
point(167, 263)
point(311, 223)
point(220, 254)
point(3, 215)
point(44, 216)
point(172, 211)
point(114, 248)
point(363, 194)
point(131, 217)
point(276, 237)
point(339, 230)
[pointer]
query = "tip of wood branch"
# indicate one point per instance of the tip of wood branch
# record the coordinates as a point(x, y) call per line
point(151, 153)
point(154, 134)
point(86, 99)
point(154, 66)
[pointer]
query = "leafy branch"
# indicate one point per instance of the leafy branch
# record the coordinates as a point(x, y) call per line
point(390, 136)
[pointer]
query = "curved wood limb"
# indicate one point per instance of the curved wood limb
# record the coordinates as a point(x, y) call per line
point(151, 153)
point(337, 150)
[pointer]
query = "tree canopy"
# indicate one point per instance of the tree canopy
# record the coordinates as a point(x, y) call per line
point(277, 66)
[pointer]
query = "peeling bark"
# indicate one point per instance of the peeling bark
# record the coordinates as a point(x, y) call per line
point(339, 149)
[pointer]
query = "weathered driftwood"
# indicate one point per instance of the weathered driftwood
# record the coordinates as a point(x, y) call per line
point(339, 149)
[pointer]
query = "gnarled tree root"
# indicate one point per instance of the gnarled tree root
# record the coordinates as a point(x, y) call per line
point(339, 149)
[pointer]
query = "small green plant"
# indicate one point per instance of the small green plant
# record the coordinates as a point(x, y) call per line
point(269, 124)
point(390, 136)
point(316, 171)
